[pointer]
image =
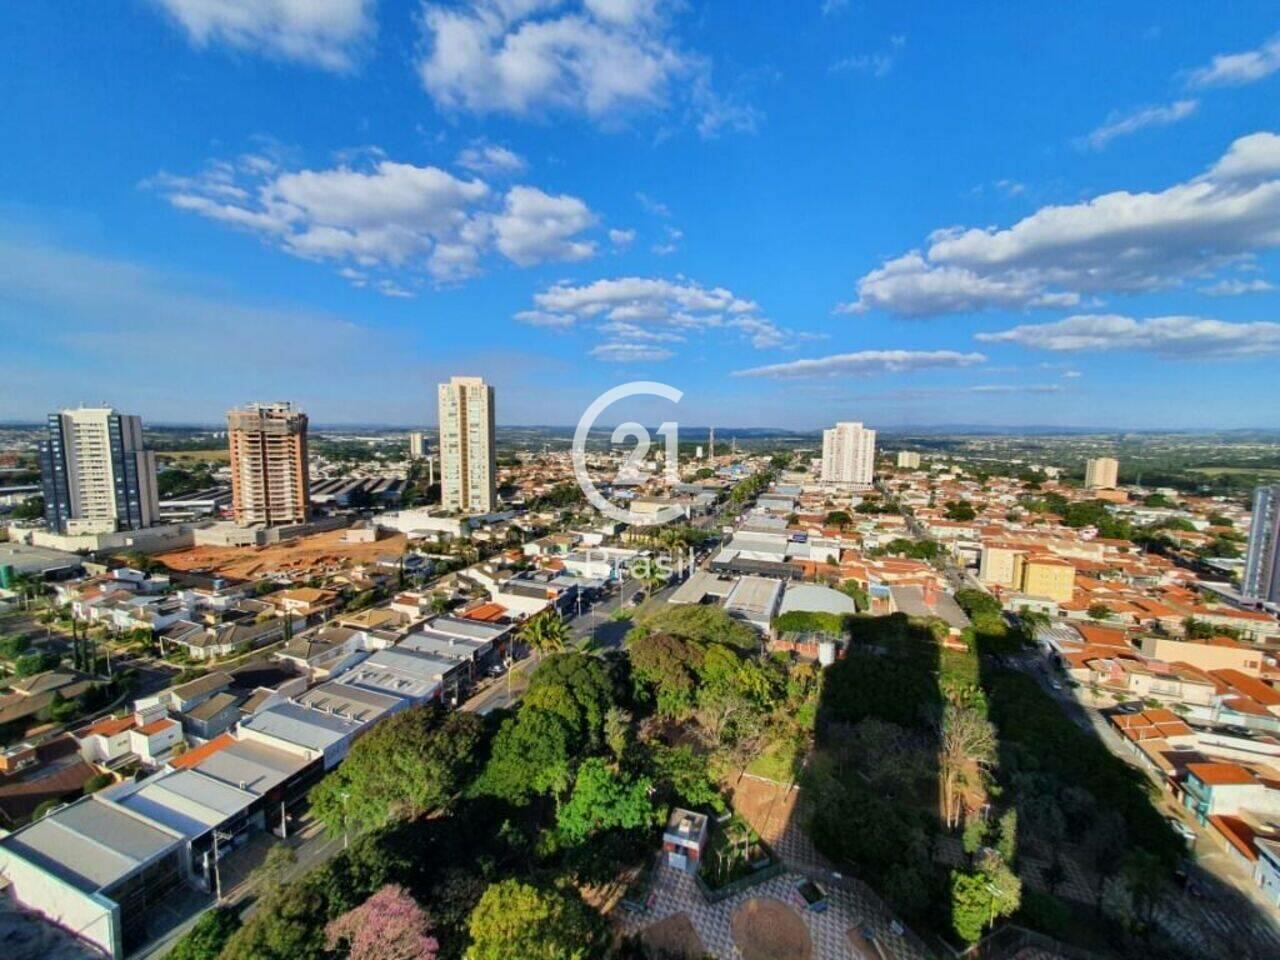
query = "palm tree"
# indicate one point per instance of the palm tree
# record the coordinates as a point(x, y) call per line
point(546, 633)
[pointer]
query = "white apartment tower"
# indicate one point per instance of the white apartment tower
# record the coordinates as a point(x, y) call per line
point(848, 454)
point(96, 475)
point(1101, 473)
point(417, 445)
point(468, 466)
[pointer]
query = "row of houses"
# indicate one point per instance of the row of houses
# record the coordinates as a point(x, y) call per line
point(230, 754)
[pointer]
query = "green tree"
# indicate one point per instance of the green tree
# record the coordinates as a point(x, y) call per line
point(530, 757)
point(960, 510)
point(577, 687)
point(546, 633)
point(517, 920)
point(604, 799)
point(1099, 611)
point(409, 764)
point(838, 518)
point(205, 940)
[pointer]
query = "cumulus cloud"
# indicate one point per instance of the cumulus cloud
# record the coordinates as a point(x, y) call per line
point(626, 352)
point(1234, 287)
point(865, 363)
point(621, 239)
point(382, 215)
point(535, 227)
point(325, 33)
point(654, 310)
point(1123, 124)
point(605, 59)
point(1239, 69)
point(490, 160)
point(1173, 337)
point(1118, 241)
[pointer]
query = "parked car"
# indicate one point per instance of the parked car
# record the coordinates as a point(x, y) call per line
point(1181, 829)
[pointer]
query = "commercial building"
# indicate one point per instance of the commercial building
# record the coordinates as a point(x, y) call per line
point(96, 868)
point(468, 464)
point(96, 474)
point(1101, 473)
point(848, 454)
point(270, 481)
point(417, 445)
point(1262, 563)
point(908, 460)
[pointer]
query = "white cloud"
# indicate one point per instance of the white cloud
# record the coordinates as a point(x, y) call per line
point(1123, 124)
point(913, 287)
point(650, 205)
point(1238, 69)
point(621, 239)
point(490, 160)
point(651, 310)
point(1191, 338)
point(1118, 241)
point(623, 352)
point(878, 64)
point(865, 363)
point(1234, 287)
point(605, 59)
point(387, 216)
point(536, 227)
point(325, 33)
point(670, 244)
point(1071, 374)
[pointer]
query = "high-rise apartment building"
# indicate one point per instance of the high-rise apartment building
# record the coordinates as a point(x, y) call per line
point(96, 474)
point(1262, 562)
point(468, 463)
point(908, 460)
point(848, 454)
point(270, 477)
point(417, 445)
point(1101, 473)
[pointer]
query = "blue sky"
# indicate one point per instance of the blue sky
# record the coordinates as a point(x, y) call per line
point(892, 212)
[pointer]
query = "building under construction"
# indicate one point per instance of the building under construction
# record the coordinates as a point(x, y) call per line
point(269, 474)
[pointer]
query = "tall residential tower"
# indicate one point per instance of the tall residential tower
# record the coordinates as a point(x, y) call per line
point(96, 474)
point(1262, 562)
point(1101, 473)
point(848, 454)
point(468, 462)
point(270, 478)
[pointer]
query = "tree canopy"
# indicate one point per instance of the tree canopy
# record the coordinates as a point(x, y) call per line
point(407, 765)
point(518, 920)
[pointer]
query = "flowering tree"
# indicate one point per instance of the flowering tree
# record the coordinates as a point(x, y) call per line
point(388, 926)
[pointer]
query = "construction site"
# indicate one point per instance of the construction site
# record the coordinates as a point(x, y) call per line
point(317, 555)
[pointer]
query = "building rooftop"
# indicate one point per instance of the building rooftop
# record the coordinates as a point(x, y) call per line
point(754, 598)
point(815, 598)
point(184, 800)
point(90, 844)
point(250, 764)
point(300, 725)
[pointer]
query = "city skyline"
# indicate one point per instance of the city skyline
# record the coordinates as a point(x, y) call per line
point(886, 253)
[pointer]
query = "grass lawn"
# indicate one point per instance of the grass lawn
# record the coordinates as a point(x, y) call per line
point(779, 762)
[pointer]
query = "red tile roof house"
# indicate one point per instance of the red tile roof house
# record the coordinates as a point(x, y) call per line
point(1227, 789)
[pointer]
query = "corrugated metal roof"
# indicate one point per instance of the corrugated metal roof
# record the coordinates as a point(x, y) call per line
point(90, 844)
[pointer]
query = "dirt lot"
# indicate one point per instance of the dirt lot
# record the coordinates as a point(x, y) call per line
point(768, 929)
point(307, 556)
point(674, 937)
